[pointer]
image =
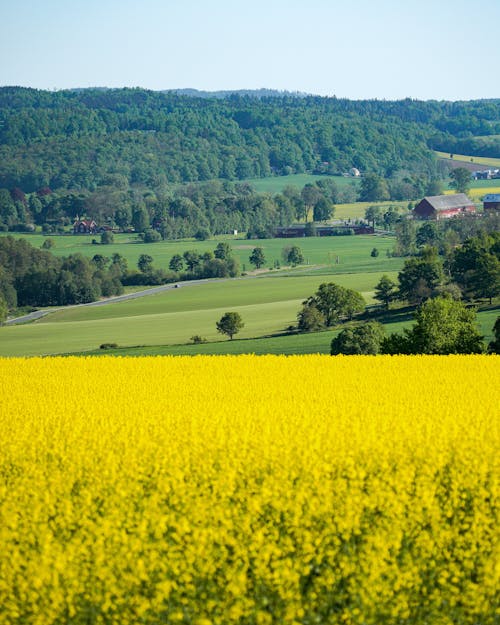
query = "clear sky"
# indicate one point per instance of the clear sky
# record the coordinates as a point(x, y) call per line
point(386, 49)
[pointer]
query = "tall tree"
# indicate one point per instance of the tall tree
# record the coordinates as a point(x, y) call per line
point(419, 278)
point(230, 324)
point(176, 263)
point(257, 257)
point(461, 179)
point(373, 189)
point(223, 251)
point(443, 326)
point(323, 210)
point(334, 301)
point(145, 263)
point(386, 291)
point(192, 259)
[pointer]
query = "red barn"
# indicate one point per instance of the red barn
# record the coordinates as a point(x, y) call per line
point(444, 206)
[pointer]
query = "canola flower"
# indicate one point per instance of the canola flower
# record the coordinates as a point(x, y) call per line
point(254, 490)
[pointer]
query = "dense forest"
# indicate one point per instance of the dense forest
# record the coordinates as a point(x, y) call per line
point(110, 153)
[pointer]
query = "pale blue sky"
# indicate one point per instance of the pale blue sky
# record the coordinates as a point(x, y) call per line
point(386, 49)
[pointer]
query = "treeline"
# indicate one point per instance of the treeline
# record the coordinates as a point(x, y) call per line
point(192, 210)
point(30, 277)
point(33, 277)
point(79, 139)
point(440, 288)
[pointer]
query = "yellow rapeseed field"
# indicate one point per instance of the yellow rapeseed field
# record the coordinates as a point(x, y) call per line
point(253, 490)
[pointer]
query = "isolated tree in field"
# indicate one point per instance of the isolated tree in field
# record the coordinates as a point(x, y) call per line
point(443, 326)
point(176, 263)
point(230, 324)
point(257, 257)
point(293, 255)
point(461, 179)
point(364, 339)
point(334, 301)
point(386, 291)
point(145, 263)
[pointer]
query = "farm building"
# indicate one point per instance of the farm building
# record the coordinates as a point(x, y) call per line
point(486, 174)
point(84, 226)
point(299, 230)
point(444, 206)
point(491, 201)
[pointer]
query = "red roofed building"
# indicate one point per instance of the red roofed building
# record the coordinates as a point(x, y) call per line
point(444, 206)
point(84, 226)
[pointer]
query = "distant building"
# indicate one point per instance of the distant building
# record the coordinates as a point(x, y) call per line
point(491, 201)
point(486, 174)
point(84, 226)
point(355, 172)
point(444, 206)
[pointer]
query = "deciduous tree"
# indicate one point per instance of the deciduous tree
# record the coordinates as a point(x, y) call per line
point(257, 257)
point(230, 324)
point(386, 291)
point(443, 326)
point(176, 263)
point(364, 339)
point(461, 179)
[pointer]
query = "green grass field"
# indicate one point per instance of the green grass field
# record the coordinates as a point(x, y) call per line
point(479, 160)
point(268, 305)
point(353, 252)
point(276, 184)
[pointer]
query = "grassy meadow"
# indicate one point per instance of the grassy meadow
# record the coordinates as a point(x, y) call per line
point(268, 305)
point(164, 323)
point(485, 161)
point(353, 252)
point(276, 184)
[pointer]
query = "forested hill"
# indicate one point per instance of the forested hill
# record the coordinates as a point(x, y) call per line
point(81, 139)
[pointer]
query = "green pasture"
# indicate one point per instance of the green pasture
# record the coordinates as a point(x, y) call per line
point(486, 161)
point(288, 344)
point(353, 251)
point(356, 210)
point(268, 305)
point(276, 184)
